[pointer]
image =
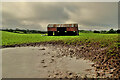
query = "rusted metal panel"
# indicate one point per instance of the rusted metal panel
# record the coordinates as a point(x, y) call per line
point(52, 29)
point(72, 29)
point(70, 25)
point(54, 25)
point(75, 25)
point(63, 25)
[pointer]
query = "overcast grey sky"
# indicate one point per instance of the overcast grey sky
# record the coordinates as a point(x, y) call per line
point(37, 15)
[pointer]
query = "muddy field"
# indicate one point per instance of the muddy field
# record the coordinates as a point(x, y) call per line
point(43, 62)
point(58, 60)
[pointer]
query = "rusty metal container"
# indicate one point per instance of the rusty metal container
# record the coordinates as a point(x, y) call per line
point(62, 29)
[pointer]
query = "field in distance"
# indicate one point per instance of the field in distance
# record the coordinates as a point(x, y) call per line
point(9, 38)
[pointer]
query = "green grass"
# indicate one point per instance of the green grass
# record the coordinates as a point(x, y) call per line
point(9, 38)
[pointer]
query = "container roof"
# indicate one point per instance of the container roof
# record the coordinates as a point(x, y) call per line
point(62, 25)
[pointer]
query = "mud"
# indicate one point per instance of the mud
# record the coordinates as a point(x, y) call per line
point(43, 62)
point(105, 65)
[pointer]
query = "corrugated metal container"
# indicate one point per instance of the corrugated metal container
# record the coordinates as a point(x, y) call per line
point(62, 29)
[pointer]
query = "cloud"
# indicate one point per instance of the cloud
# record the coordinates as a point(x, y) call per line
point(37, 15)
point(102, 14)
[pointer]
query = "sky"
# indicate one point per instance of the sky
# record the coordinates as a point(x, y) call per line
point(37, 15)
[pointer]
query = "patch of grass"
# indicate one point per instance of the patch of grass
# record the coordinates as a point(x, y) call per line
point(9, 38)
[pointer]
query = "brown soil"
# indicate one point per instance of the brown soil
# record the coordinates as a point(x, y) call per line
point(106, 66)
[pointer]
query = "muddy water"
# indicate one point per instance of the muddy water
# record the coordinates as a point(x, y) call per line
point(41, 62)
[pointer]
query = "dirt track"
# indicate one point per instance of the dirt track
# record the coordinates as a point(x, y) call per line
point(43, 62)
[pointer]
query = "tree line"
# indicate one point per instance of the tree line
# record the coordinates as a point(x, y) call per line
point(27, 31)
point(102, 31)
point(24, 31)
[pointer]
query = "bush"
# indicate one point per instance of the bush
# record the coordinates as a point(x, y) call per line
point(96, 31)
point(111, 31)
point(118, 31)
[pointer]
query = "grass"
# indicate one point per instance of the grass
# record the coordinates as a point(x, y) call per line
point(9, 38)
